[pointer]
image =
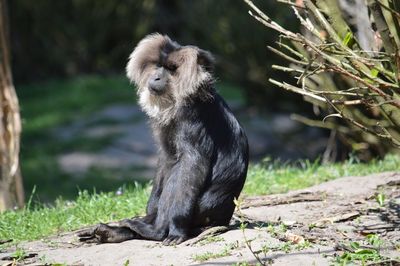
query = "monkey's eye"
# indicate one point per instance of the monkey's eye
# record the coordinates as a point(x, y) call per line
point(171, 67)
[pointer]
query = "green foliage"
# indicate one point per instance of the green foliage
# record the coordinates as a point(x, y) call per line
point(374, 240)
point(356, 252)
point(97, 36)
point(19, 254)
point(380, 198)
point(231, 92)
point(54, 102)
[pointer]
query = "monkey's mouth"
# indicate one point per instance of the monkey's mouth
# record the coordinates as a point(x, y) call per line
point(156, 91)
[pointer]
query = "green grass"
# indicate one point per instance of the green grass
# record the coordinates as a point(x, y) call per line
point(226, 251)
point(275, 177)
point(37, 220)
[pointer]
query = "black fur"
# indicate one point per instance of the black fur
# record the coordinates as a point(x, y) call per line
point(203, 159)
point(203, 165)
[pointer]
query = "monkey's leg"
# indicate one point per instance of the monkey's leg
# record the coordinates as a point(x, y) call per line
point(177, 202)
point(103, 233)
point(172, 229)
point(161, 228)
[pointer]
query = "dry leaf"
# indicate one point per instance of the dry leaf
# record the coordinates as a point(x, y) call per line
point(295, 239)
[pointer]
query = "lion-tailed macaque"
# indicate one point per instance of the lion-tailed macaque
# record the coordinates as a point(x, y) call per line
point(203, 150)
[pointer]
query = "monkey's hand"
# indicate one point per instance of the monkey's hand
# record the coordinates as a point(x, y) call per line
point(103, 233)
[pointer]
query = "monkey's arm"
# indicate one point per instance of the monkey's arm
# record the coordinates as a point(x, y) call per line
point(103, 233)
point(163, 168)
point(187, 180)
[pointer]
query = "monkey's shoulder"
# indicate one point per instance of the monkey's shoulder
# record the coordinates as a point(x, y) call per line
point(213, 107)
point(212, 117)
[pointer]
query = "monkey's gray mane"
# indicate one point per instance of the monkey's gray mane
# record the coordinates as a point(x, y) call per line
point(190, 80)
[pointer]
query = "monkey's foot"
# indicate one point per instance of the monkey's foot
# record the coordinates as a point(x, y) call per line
point(103, 233)
point(174, 240)
point(207, 232)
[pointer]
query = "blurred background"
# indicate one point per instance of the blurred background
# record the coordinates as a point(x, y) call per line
point(81, 125)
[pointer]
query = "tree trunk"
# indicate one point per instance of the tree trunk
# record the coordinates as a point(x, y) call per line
point(11, 189)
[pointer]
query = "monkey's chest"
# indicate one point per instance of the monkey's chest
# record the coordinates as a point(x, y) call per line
point(168, 144)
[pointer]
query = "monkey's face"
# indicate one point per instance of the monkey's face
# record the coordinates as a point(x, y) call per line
point(166, 73)
point(158, 81)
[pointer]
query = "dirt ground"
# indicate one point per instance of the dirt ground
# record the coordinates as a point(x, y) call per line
point(304, 227)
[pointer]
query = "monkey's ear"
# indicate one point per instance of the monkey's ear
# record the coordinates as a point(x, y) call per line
point(206, 60)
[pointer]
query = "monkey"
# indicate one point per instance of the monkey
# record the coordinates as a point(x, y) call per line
point(203, 151)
